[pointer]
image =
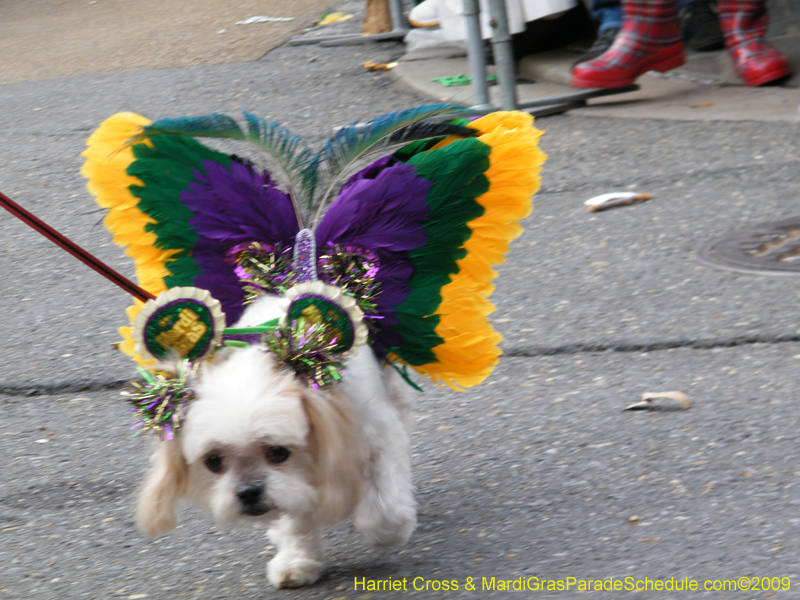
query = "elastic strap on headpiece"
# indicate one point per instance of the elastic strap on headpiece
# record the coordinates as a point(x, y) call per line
point(241, 337)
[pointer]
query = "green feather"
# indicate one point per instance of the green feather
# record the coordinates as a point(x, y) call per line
point(166, 169)
point(457, 176)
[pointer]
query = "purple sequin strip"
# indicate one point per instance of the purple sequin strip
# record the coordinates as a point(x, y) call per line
point(305, 256)
point(249, 338)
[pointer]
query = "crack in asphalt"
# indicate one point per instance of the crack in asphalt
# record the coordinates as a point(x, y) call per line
point(699, 344)
point(72, 387)
point(62, 387)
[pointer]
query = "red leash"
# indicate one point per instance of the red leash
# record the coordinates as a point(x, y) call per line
point(73, 248)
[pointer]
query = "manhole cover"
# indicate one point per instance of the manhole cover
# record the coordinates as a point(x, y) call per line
point(767, 249)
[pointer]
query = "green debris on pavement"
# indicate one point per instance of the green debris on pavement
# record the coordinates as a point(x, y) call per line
point(460, 80)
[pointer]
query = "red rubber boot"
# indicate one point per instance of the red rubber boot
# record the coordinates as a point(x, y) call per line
point(650, 40)
point(743, 24)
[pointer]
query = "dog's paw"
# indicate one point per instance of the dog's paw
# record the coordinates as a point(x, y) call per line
point(287, 571)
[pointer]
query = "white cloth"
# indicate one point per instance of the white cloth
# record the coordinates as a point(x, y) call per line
point(451, 15)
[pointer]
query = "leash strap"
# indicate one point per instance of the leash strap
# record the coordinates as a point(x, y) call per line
point(73, 248)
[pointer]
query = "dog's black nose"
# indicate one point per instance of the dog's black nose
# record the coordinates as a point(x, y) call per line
point(250, 494)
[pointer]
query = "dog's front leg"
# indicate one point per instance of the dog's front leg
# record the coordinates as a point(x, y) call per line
point(298, 560)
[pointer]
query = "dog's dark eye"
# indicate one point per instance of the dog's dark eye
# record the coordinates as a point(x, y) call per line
point(277, 454)
point(213, 463)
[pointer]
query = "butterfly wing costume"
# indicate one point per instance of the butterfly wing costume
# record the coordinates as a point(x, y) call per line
point(413, 237)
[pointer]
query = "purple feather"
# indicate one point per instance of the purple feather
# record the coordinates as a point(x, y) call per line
point(232, 205)
point(384, 213)
point(236, 204)
point(382, 209)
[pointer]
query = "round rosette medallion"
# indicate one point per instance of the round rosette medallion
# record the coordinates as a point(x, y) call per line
point(183, 322)
point(327, 306)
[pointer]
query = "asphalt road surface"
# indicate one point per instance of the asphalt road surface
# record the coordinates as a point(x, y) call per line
point(56, 38)
point(538, 473)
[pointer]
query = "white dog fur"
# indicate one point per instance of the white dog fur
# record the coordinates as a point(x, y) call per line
point(349, 455)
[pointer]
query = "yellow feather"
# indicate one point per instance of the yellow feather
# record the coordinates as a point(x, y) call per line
point(107, 160)
point(470, 350)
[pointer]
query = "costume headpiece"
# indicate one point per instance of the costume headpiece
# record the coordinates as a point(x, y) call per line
point(399, 255)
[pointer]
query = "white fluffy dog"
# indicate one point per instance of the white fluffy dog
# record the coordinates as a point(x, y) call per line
point(257, 444)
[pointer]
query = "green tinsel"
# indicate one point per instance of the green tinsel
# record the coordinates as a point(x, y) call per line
point(263, 269)
point(354, 273)
point(307, 349)
point(266, 269)
point(162, 399)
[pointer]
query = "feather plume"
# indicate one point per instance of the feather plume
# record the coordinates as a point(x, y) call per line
point(216, 126)
point(298, 164)
point(300, 167)
point(293, 158)
point(354, 141)
point(426, 131)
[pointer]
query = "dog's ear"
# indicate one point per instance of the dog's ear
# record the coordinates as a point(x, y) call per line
point(337, 453)
point(155, 512)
